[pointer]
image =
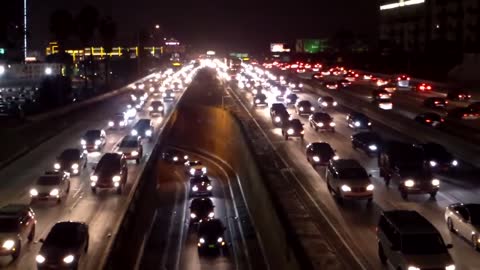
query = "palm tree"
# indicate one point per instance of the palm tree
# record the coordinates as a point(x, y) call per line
point(108, 32)
point(87, 22)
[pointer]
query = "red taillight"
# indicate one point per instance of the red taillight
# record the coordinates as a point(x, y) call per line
point(460, 96)
point(399, 78)
point(469, 96)
point(408, 78)
point(446, 101)
point(429, 87)
point(356, 75)
point(442, 120)
point(436, 102)
point(428, 120)
point(465, 115)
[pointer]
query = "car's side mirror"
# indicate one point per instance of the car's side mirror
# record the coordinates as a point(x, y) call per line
point(449, 246)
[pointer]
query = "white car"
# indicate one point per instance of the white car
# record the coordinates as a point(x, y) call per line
point(464, 220)
point(195, 168)
point(347, 179)
point(51, 186)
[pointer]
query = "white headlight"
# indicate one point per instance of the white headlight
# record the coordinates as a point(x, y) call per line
point(433, 163)
point(150, 108)
point(56, 166)
point(332, 124)
point(94, 178)
point(370, 187)
point(409, 183)
point(372, 147)
point(211, 214)
point(116, 178)
point(316, 158)
point(54, 192)
point(148, 133)
point(201, 240)
point(110, 123)
point(195, 188)
point(68, 259)
point(320, 124)
point(290, 131)
point(335, 103)
point(312, 108)
point(436, 182)
point(325, 104)
point(209, 187)
point(369, 123)
point(413, 268)
point(192, 171)
point(83, 142)
point(346, 188)
point(450, 267)
point(192, 215)
point(33, 192)
point(134, 132)
point(134, 153)
point(204, 169)
point(8, 244)
point(277, 119)
point(40, 259)
point(75, 166)
point(454, 163)
point(357, 123)
point(220, 239)
point(257, 100)
point(301, 109)
point(288, 100)
point(336, 157)
point(97, 142)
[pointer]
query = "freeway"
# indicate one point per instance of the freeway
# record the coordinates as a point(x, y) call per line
point(354, 221)
point(101, 211)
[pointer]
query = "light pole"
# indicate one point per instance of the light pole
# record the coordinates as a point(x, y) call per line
point(25, 30)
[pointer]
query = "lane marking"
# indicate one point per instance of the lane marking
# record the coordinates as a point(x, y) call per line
point(182, 239)
point(170, 230)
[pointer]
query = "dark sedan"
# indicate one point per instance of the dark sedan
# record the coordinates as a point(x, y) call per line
point(369, 142)
point(321, 121)
point(429, 119)
point(320, 153)
point(435, 103)
point(293, 128)
point(358, 121)
point(71, 160)
point(304, 107)
point(438, 157)
point(201, 209)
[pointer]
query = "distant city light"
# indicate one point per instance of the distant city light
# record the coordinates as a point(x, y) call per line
point(157, 26)
point(210, 52)
point(2, 70)
point(48, 71)
point(401, 3)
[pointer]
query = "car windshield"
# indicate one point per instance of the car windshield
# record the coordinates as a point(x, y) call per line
point(435, 149)
point(423, 244)
point(8, 224)
point(305, 103)
point(108, 162)
point(321, 117)
point(92, 134)
point(352, 173)
point(213, 226)
point(142, 124)
point(70, 154)
point(129, 143)
point(156, 103)
point(359, 117)
point(278, 107)
point(63, 235)
point(48, 180)
point(296, 123)
point(321, 147)
point(196, 180)
point(327, 99)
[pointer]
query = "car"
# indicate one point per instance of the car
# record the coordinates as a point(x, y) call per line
point(423, 87)
point(131, 148)
point(459, 95)
point(291, 99)
point(130, 112)
point(17, 228)
point(168, 95)
point(464, 220)
point(321, 121)
point(195, 168)
point(176, 86)
point(347, 179)
point(119, 120)
point(407, 240)
point(211, 235)
point(143, 128)
point(379, 94)
point(418, 181)
point(275, 108)
point(343, 83)
point(384, 104)
point(156, 108)
point(435, 103)
point(110, 172)
point(351, 76)
point(368, 141)
point(200, 185)
point(175, 156)
point(319, 153)
point(50, 186)
point(259, 90)
point(326, 102)
point(474, 106)
point(293, 128)
point(295, 86)
point(94, 140)
point(331, 85)
point(403, 81)
point(304, 107)
point(463, 113)
point(64, 247)
point(358, 121)
point(281, 118)
point(71, 160)
point(201, 209)
point(260, 100)
point(429, 119)
point(438, 157)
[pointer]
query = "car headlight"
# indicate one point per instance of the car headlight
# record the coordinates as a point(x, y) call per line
point(436, 182)
point(346, 188)
point(192, 215)
point(316, 158)
point(192, 171)
point(324, 104)
point(450, 267)
point(211, 214)
point(134, 153)
point(369, 123)
point(372, 147)
point(300, 85)
point(164, 94)
point(8, 244)
point(160, 108)
point(209, 187)
point(370, 187)
point(301, 109)
point(312, 108)
point(413, 268)
point(288, 100)
point(320, 124)
point(54, 192)
point(40, 259)
point(134, 132)
point(332, 124)
point(257, 101)
point(409, 183)
point(150, 108)
point(454, 163)
point(185, 157)
point(33, 192)
point(148, 133)
point(357, 123)
point(94, 178)
point(220, 239)
point(433, 163)
point(75, 166)
point(97, 142)
point(335, 103)
point(116, 178)
point(83, 142)
point(336, 157)
point(290, 131)
point(201, 240)
point(195, 188)
point(204, 170)
point(56, 166)
point(277, 119)
point(110, 123)
point(68, 259)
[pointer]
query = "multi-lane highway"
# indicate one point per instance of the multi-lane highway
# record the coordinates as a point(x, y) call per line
point(355, 221)
point(102, 211)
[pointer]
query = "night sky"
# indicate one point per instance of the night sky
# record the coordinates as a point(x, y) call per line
point(240, 25)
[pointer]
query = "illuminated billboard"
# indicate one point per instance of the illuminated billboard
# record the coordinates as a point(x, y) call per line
point(310, 45)
point(279, 47)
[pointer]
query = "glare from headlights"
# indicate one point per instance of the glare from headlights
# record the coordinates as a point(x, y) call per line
point(316, 158)
point(75, 166)
point(436, 182)
point(148, 133)
point(40, 259)
point(54, 192)
point(257, 100)
point(301, 109)
point(220, 239)
point(150, 108)
point(357, 124)
point(134, 153)
point(335, 103)
point(201, 240)
point(110, 123)
point(372, 147)
point(33, 192)
point(8, 244)
point(192, 215)
point(192, 171)
point(116, 178)
point(277, 119)
point(346, 188)
point(211, 214)
point(134, 132)
point(413, 268)
point(450, 267)
point(454, 163)
point(312, 108)
point(94, 178)
point(332, 124)
point(290, 131)
point(209, 187)
point(433, 163)
point(68, 259)
point(336, 157)
point(83, 142)
point(409, 183)
point(195, 188)
point(56, 166)
point(97, 142)
point(320, 124)
point(370, 187)
point(325, 104)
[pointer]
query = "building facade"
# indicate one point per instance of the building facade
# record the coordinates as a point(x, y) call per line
point(425, 25)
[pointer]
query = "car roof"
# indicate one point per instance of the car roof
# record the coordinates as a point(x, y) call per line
point(409, 221)
point(13, 210)
point(130, 138)
point(346, 164)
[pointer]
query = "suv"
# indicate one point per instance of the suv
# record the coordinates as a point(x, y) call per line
point(347, 179)
point(294, 128)
point(407, 240)
point(110, 172)
point(17, 227)
point(131, 148)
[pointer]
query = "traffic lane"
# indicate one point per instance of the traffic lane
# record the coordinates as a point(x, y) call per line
point(385, 198)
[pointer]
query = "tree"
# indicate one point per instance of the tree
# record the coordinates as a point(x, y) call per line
point(108, 33)
point(87, 22)
point(61, 26)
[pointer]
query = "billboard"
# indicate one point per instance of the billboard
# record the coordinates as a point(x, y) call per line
point(279, 47)
point(310, 45)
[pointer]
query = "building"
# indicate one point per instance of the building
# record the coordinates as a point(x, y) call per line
point(450, 26)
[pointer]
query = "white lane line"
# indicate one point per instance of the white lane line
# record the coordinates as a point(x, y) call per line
point(305, 190)
point(170, 230)
point(182, 238)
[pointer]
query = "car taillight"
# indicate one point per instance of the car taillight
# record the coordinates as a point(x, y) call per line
point(446, 101)
point(436, 102)
point(442, 120)
point(429, 87)
point(465, 115)
point(408, 78)
point(428, 120)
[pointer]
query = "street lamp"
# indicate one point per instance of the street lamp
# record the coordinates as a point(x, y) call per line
point(48, 71)
point(157, 26)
